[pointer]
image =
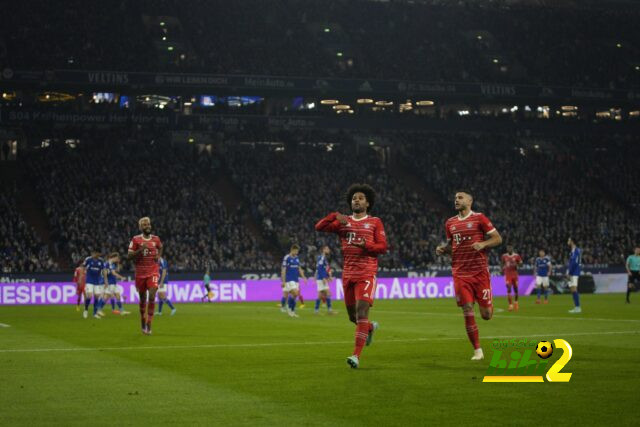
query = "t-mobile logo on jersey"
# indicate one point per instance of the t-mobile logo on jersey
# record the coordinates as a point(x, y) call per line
point(352, 238)
point(523, 368)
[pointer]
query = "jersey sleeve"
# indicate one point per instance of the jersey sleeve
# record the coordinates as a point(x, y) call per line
point(485, 224)
point(329, 223)
point(379, 244)
point(284, 260)
point(518, 259)
point(86, 263)
point(133, 245)
point(159, 243)
point(447, 232)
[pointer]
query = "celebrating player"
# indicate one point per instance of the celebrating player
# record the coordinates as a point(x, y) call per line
point(112, 292)
point(510, 263)
point(633, 271)
point(96, 277)
point(162, 287)
point(362, 239)
point(79, 280)
point(542, 270)
point(323, 277)
point(575, 259)
point(467, 245)
point(144, 250)
point(290, 273)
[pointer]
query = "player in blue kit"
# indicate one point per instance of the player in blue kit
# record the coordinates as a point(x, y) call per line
point(113, 293)
point(290, 273)
point(575, 261)
point(96, 277)
point(323, 277)
point(162, 287)
point(542, 271)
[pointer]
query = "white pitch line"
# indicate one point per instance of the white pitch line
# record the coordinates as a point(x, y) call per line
point(304, 343)
point(514, 316)
point(4, 325)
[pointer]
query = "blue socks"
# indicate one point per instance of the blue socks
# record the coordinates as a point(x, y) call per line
point(329, 303)
point(283, 301)
point(317, 304)
point(87, 303)
point(292, 303)
point(113, 303)
point(96, 305)
point(160, 305)
point(119, 304)
point(538, 292)
point(576, 299)
point(546, 293)
point(168, 301)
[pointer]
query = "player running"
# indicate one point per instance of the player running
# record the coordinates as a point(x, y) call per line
point(362, 238)
point(112, 293)
point(144, 250)
point(633, 271)
point(79, 280)
point(575, 260)
point(467, 245)
point(290, 274)
point(542, 269)
point(162, 287)
point(510, 263)
point(96, 277)
point(323, 277)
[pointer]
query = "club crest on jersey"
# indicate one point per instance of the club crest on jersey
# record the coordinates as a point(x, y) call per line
point(453, 228)
point(366, 225)
point(469, 225)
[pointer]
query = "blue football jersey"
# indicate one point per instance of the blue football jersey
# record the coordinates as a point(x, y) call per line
point(575, 260)
point(322, 267)
point(94, 267)
point(163, 266)
point(111, 268)
point(542, 266)
point(292, 268)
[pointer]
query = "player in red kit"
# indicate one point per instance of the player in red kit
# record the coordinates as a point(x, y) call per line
point(510, 262)
point(79, 280)
point(471, 280)
point(144, 250)
point(362, 238)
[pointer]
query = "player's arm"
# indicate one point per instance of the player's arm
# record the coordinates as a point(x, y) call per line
point(135, 251)
point(494, 239)
point(164, 274)
point(331, 223)
point(550, 268)
point(446, 247)
point(519, 262)
point(628, 266)
point(105, 276)
point(283, 272)
point(302, 273)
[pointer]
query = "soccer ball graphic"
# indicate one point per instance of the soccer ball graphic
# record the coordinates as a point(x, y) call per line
point(544, 349)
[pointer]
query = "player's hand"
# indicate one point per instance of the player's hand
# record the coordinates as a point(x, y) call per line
point(478, 246)
point(441, 250)
point(282, 285)
point(342, 219)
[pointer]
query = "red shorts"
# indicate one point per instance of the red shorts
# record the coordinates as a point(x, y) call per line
point(80, 289)
point(359, 290)
point(146, 283)
point(474, 289)
point(511, 280)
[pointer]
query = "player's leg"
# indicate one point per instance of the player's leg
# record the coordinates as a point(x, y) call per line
point(283, 300)
point(539, 281)
point(348, 289)
point(545, 287)
point(316, 309)
point(465, 300)
point(515, 294)
point(327, 298)
point(293, 295)
point(300, 297)
point(168, 301)
point(509, 286)
point(364, 294)
point(79, 296)
point(141, 286)
point(98, 292)
point(161, 297)
point(573, 285)
point(88, 294)
point(119, 301)
point(152, 286)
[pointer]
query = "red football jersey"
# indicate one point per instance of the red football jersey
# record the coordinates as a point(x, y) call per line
point(463, 233)
point(359, 263)
point(78, 276)
point(510, 263)
point(146, 262)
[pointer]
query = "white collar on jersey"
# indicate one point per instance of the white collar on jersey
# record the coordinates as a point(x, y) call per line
point(356, 219)
point(468, 215)
point(150, 237)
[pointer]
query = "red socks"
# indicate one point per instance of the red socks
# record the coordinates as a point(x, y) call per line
point(362, 331)
point(472, 328)
point(151, 307)
point(509, 298)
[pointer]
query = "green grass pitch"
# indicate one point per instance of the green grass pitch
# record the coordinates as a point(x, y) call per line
point(249, 364)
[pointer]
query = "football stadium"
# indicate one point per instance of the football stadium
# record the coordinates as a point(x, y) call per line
point(319, 212)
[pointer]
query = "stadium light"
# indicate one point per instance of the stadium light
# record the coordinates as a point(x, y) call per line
point(495, 60)
point(162, 23)
point(327, 30)
point(339, 54)
point(618, 45)
point(424, 103)
point(329, 102)
point(164, 38)
point(384, 103)
point(170, 48)
point(341, 107)
point(568, 108)
point(365, 101)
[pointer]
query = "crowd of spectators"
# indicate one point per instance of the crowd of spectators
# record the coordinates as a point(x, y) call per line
point(538, 193)
point(95, 193)
point(21, 250)
point(427, 41)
